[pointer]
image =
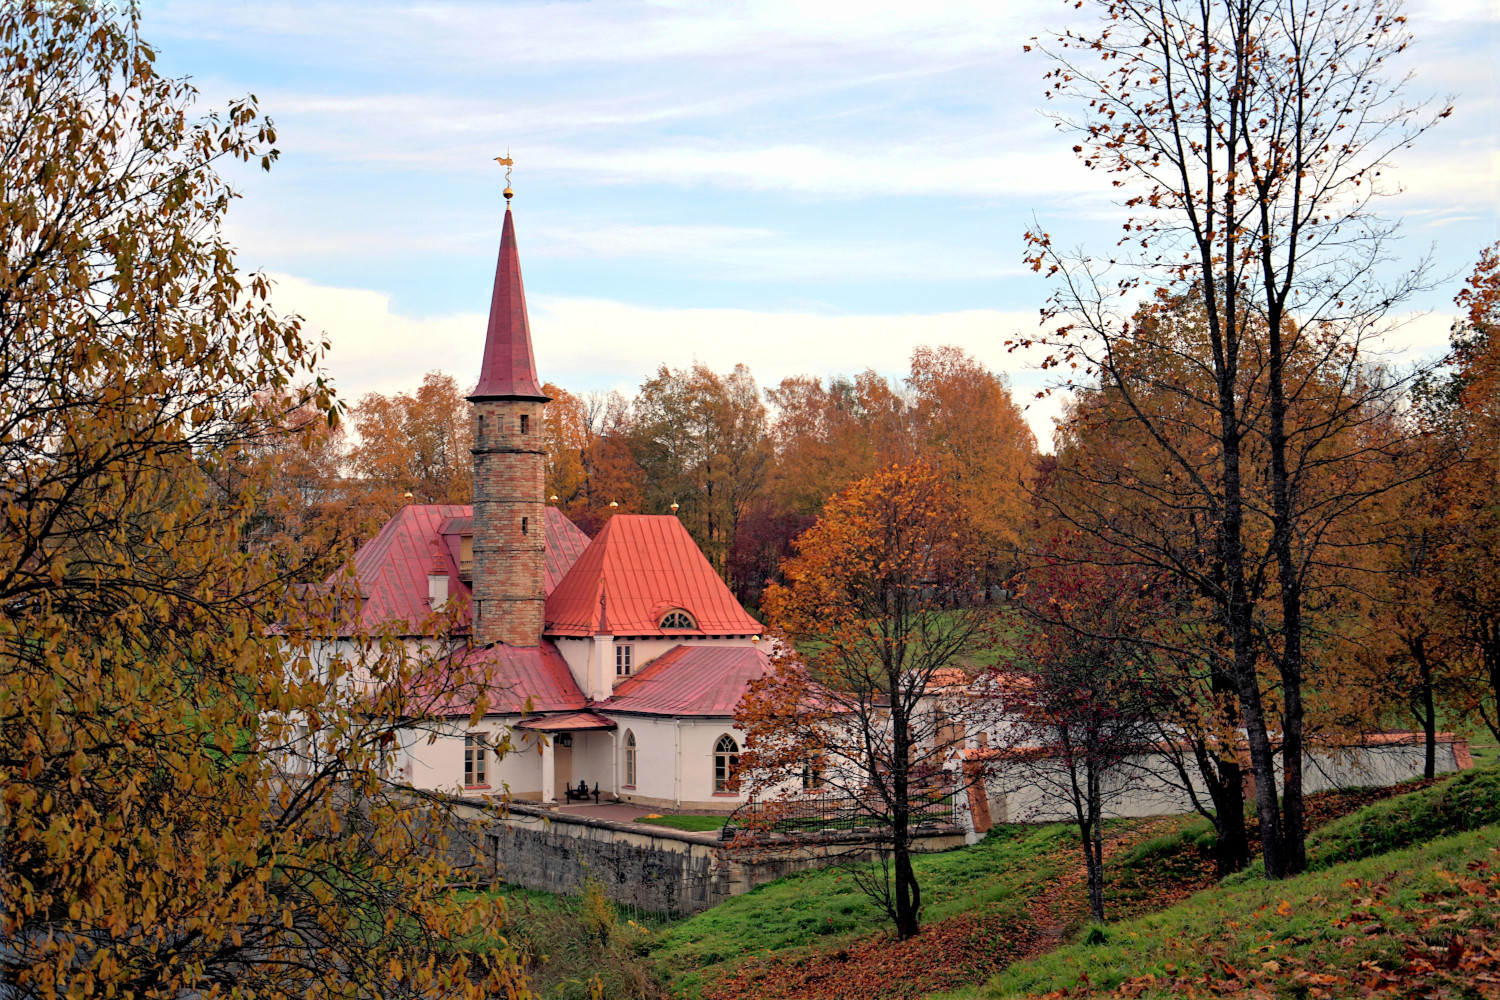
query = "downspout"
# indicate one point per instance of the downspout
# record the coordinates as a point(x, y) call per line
point(677, 724)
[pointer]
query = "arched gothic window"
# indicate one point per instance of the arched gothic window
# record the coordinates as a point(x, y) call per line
point(677, 619)
point(629, 759)
point(726, 763)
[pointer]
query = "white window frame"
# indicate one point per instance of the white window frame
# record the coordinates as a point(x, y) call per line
point(476, 761)
point(630, 759)
point(624, 659)
point(726, 763)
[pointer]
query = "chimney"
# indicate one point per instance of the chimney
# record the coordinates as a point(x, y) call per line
point(437, 583)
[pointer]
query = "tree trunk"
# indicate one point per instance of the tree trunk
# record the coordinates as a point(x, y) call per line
point(1226, 786)
point(1232, 846)
point(1239, 622)
point(908, 894)
point(1093, 844)
point(1427, 713)
point(1289, 578)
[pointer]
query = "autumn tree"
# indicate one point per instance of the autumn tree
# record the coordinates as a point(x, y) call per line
point(419, 443)
point(968, 427)
point(879, 599)
point(1250, 137)
point(828, 436)
point(309, 515)
point(152, 664)
point(700, 441)
point(1077, 690)
point(1463, 405)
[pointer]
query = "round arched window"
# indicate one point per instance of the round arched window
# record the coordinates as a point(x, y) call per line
point(726, 763)
point(629, 759)
point(678, 619)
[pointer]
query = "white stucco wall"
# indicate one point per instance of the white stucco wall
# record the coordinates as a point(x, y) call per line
point(1035, 792)
point(437, 764)
point(675, 762)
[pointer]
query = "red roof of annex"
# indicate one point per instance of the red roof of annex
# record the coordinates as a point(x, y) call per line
point(638, 568)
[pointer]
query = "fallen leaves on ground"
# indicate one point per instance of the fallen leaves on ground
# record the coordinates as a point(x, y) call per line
point(947, 954)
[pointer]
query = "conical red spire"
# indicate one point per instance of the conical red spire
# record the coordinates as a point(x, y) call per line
point(509, 368)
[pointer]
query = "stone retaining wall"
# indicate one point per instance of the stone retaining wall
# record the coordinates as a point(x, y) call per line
point(650, 868)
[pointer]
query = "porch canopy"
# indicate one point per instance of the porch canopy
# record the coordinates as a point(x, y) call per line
point(566, 722)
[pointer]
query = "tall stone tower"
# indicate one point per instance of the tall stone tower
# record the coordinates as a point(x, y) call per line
point(509, 467)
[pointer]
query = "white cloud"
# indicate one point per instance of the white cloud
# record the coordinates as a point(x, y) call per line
point(586, 344)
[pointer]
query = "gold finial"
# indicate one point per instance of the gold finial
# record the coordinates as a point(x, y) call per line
point(506, 162)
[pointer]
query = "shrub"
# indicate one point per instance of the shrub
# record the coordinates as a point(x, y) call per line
point(1465, 802)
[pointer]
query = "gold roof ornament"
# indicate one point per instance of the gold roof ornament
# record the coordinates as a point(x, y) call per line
point(506, 162)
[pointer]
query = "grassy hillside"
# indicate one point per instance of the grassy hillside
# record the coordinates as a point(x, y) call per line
point(1421, 917)
point(824, 910)
point(1017, 892)
point(1414, 917)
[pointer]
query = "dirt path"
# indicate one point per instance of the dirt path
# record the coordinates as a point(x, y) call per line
point(948, 954)
point(1065, 900)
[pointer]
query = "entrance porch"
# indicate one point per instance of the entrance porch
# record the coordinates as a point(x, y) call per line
point(578, 754)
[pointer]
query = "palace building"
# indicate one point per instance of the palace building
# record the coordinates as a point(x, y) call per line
point(616, 662)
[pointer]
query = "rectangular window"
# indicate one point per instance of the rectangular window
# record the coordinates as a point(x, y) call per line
point(474, 760)
point(523, 525)
point(525, 423)
point(622, 660)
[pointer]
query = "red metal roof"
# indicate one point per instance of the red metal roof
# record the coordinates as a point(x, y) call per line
point(391, 568)
point(643, 566)
point(567, 722)
point(689, 680)
point(516, 675)
point(509, 367)
point(565, 543)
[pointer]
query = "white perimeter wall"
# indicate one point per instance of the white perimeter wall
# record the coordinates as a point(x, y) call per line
point(1036, 792)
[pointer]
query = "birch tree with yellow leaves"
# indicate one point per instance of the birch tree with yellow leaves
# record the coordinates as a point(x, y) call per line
point(190, 802)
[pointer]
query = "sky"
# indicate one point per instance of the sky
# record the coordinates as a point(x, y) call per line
point(805, 187)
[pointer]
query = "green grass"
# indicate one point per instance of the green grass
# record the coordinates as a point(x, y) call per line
point(1466, 801)
point(1332, 919)
point(1484, 754)
point(692, 824)
point(826, 908)
point(1367, 899)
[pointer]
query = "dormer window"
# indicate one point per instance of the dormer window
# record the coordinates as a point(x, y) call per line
point(678, 619)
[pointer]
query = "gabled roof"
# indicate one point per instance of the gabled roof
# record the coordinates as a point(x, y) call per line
point(391, 569)
point(690, 680)
point(509, 367)
point(641, 566)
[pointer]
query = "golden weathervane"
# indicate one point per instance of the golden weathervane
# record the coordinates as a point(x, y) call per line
point(506, 162)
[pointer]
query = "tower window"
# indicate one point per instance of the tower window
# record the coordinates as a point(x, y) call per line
point(525, 423)
point(622, 659)
point(479, 433)
point(523, 525)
